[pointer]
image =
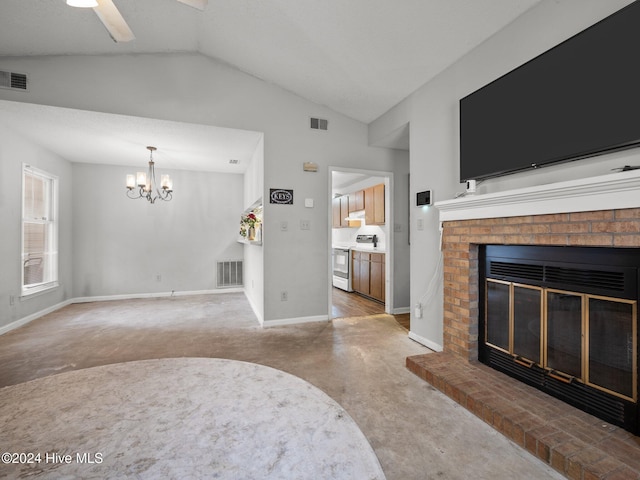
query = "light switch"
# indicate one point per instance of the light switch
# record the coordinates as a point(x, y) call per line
point(284, 226)
point(308, 202)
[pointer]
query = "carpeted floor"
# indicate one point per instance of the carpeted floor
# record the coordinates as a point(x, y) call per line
point(180, 418)
point(416, 432)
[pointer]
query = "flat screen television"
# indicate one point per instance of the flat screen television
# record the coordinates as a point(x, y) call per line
point(577, 100)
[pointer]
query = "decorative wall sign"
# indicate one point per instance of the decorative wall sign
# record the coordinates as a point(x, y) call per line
point(281, 196)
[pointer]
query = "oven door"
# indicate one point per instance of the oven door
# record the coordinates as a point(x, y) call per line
point(341, 262)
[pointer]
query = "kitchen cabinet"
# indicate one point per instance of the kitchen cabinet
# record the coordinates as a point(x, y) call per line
point(356, 201)
point(344, 210)
point(335, 212)
point(374, 205)
point(340, 212)
point(368, 274)
point(355, 270)
point(376, 276)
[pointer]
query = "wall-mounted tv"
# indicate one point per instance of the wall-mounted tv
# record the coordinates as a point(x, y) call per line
point(579, 99)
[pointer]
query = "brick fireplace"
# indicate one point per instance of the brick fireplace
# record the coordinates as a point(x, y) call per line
point(461, 238)
point(597, 212)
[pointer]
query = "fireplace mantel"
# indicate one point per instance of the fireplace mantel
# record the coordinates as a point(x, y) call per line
point(606, 192)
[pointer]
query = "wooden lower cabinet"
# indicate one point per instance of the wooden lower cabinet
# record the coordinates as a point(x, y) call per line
point(376, 276)
point(368, 274)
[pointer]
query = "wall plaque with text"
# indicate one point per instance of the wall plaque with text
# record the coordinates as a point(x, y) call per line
point(281, 196)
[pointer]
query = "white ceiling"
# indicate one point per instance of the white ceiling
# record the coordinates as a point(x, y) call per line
point(358, 57)
point(93, 137)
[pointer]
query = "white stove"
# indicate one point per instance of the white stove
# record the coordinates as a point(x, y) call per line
point(342, 274)
point(342, 268)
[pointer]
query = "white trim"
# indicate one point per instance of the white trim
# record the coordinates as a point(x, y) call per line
point(34, 316)
point(605, 192)
point(132, 296)
point(39, 290)
point(294, 321)
point(426, 342)
point(51, 222)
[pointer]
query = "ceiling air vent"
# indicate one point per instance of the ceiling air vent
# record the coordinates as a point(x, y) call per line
point(13, 81)
point(319, 124)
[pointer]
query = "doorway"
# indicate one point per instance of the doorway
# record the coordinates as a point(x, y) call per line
point(351, 191)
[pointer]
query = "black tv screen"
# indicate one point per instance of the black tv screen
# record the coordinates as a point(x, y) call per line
point(579, 99)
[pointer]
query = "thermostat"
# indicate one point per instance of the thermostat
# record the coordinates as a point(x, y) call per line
point(424, 198)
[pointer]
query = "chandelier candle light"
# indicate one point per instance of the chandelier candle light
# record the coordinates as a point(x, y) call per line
point(146, 182)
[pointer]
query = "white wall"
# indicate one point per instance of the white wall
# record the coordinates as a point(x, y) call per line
point(254, 254)
point(121, 245)
point(196, 89)
point(14, 151)
point(433, 115)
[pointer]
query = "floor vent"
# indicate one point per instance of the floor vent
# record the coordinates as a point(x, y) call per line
point(319, 124)
point(13, 81)
point(229, 274)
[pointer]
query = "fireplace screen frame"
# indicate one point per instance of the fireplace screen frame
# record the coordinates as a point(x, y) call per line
point(599, 272)
point(585, 351)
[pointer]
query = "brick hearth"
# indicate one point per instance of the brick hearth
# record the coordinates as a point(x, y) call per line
point(576, 444)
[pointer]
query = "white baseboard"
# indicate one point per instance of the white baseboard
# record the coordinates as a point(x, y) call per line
point(426, 342)
point(105, 298)
point(131, 296)
point(30, 318)
point(293, 321)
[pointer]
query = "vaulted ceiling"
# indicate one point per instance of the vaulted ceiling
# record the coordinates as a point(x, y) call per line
point(358, 57)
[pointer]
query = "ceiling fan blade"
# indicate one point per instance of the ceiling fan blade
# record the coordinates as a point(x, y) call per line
point(113, 21)
point(199, 4)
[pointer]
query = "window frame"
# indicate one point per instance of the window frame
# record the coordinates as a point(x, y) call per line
point(50, 221)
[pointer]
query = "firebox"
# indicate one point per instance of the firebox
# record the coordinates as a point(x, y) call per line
point(564, 320)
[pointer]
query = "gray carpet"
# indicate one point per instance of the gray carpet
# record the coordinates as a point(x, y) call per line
point(180, 418)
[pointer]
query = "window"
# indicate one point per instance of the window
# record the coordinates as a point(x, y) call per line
point(39, 231)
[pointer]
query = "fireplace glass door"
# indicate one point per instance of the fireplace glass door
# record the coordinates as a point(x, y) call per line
point(564, 333)
point(527, 322)
point(612, 334)
point(498, 314)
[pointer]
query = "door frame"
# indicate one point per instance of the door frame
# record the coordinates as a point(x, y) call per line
point(389, 241)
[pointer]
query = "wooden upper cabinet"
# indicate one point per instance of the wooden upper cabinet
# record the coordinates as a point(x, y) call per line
point(340, 211)
point(374, 205)
point(344, 210)
point(356, 201)
point(378, 202)
point(335, 210)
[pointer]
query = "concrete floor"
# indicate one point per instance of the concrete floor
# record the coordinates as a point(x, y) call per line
point(417, 432)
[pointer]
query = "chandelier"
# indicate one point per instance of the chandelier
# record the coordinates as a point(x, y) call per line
point(146, 183)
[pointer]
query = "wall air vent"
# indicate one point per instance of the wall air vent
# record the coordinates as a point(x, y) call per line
point(229, 274)
point(13, 81)
point(319, 124)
